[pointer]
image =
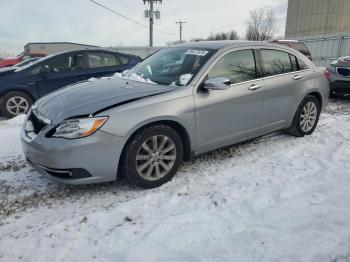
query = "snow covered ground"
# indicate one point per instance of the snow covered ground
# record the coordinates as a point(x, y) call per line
point(276, 198)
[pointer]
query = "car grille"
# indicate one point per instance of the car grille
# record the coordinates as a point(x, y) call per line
point(38, 124)
point(343, 71)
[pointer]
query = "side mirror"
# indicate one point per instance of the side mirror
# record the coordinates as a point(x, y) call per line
point(217, 83)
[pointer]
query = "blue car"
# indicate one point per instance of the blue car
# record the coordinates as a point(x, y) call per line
point(20, 87)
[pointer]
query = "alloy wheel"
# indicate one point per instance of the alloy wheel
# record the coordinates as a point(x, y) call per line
point(17, 105)
point(156, 157)
point(308, 116)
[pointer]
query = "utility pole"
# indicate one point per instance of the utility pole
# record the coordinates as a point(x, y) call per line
point(180, 23)
point(150, 14)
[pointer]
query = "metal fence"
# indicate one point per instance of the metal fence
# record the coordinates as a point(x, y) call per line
point(326, 49)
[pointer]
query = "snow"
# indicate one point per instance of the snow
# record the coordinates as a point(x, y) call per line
point(134, 77)
point(276, 198)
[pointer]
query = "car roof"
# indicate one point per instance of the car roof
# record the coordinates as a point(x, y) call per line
point(285, 41)
point(87, 50)
point(223, 44)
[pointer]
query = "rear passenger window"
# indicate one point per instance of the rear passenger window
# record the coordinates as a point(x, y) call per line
point(276, 62)
point(122, 60)
point(237, 66)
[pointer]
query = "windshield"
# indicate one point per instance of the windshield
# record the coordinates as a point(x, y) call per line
point(27, 61)
point(171, 66)
point(33, 63)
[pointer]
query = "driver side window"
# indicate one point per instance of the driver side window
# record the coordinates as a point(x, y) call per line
point(64, 63)
point(238, 66)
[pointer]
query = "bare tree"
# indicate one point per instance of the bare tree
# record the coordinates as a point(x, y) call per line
point(261, 25)
point(232, 35)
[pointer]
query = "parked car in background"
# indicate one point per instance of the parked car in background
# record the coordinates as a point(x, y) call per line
point(180, 102)
point(297, 45)
point(20, 87)
point(11, 61)
point(339, 76)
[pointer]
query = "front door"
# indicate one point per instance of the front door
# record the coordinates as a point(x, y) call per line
point(61, 71)
point(223, 116)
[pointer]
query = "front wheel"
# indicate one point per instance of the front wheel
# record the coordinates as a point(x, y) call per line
point(306, 117)
point(152, 157)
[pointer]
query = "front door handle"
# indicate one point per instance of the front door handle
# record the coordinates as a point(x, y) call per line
point(254, 87)
point(297, 77)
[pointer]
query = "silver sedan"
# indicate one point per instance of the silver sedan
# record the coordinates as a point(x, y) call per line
point(180, 102)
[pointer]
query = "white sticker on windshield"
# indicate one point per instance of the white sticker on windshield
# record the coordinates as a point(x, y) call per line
point(185, 78)
point(196, 52)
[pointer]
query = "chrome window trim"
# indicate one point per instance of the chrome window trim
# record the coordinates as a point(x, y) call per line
point(197, 80)
point(212, 62)
point(285, 74)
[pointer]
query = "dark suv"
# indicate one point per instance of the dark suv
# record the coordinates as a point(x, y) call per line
point(20, 87)
point(295, 44)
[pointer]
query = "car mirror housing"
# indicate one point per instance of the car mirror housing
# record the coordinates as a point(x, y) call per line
point(217, 83)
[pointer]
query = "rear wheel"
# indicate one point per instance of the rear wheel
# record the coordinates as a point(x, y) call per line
point(306, 117)
point(152, 157)
point(15, 103)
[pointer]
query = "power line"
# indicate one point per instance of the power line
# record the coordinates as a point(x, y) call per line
point(117, 13)
point(127, 18)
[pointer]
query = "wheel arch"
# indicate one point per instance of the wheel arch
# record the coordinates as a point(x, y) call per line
point(18, 90)
point(179, 128)
point(317, 95)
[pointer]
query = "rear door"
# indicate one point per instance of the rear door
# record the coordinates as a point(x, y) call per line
point(61, 71)
point(284, 80)
point(223, 116)
point(102, 63)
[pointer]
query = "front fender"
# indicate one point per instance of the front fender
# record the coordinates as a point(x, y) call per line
point(125, 120)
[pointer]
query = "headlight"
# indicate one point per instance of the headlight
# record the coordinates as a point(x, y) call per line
point(77, 128)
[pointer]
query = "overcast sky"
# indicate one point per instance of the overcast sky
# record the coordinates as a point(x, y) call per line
point(81, 21)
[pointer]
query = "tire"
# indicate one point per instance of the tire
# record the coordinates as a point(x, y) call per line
point(140, 156)
point(18, 101)
point(306, 117)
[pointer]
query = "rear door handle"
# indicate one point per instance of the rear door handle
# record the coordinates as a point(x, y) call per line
point(297, 77)
point(254, 87)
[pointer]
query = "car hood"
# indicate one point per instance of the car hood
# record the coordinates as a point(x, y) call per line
point(7, 70)
point(89, 97)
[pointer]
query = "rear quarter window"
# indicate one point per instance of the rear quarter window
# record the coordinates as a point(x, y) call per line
point(97, 60)
point(122, 60)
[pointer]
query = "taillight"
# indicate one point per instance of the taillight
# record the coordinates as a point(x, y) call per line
point(327, 74)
